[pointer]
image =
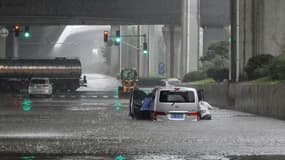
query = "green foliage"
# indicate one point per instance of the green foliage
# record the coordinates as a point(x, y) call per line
point(265, 80)
point(204, 81)
point(216, 61)
point(258, 66)
point(194, 76)
point(219, 48)
point(218, 74)
point(277, 68)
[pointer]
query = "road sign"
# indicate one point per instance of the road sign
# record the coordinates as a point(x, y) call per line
point(4, 32)
point(161, 68)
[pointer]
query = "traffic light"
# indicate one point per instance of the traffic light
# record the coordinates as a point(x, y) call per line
point(106, 34)
point(27, 33)
point(17, 30)
point(145, 51)
point(118, 38)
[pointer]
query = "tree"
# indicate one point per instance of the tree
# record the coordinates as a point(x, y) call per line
point(215, 63)
point(217, 56)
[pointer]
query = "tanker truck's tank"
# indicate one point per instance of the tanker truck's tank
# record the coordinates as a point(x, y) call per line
point(63, 73)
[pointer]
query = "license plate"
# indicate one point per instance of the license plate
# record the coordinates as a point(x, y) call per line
point(177, 116)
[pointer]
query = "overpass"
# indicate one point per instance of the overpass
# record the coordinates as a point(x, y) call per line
point(172, 14)
point(91, 12)
point(181, 20)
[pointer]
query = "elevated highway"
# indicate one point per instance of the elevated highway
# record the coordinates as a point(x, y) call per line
point(91, 12)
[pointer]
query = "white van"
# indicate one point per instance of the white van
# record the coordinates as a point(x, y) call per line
point(176, 103)
point(40, 86)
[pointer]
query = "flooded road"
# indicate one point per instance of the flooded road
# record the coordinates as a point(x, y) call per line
point(94, 122)
point(136, 157)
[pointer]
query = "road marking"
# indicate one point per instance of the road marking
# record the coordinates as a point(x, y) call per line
point(94, 96)
point(105, 96)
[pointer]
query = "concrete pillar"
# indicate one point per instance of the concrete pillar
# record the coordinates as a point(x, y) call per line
point(172, 37)
point(234, 35)
point(16, 47)
point(155, 48)
point(4, 32)
point(12, 46)
point(2, 47)
point(115, 57)
point(189, 59)
point(261, 28)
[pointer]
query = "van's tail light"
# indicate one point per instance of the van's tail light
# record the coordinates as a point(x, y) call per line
point(155, 114)
point(198, 114)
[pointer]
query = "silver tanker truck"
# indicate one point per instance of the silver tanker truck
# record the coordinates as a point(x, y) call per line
point(63, 73)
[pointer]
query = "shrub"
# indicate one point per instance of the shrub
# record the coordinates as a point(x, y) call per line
point(194, 76)
point(257, 66)
point(261, 72)
point(277, 68)
point(218, 74)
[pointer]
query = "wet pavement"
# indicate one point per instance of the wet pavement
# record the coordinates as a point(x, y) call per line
point(92, 122)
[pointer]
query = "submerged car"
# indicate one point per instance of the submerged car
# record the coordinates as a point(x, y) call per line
point(40, 86)
point(176, 103)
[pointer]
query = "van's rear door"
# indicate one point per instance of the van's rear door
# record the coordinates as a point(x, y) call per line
point(176, 99)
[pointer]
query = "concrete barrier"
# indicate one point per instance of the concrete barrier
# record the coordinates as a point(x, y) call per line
point(265, 100)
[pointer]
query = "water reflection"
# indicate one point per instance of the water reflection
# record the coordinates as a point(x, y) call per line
point(27, 158)
point(16, 103)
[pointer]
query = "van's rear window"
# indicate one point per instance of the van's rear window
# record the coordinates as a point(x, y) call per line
point(177, 97)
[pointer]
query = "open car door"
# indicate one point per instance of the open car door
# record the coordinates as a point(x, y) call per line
point(136, 100)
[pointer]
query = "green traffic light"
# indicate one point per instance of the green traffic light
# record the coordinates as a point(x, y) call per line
point(145, 52)
point(27, 34)
point(118, 39)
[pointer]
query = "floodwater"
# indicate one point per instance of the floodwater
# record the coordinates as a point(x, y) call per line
point(134, 157)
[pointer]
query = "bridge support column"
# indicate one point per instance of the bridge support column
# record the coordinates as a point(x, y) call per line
point(115, 51)
point(2, 47)
point(172, 37)
point(189, 58)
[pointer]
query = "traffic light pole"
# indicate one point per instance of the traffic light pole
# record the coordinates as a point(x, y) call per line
point(120, 53)
point(138, 54)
